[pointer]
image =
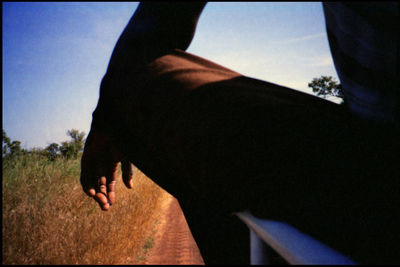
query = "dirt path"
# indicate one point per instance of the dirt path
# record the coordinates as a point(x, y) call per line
point(173, 241)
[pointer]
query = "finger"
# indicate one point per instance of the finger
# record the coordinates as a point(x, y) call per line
point(91, 192)
point(102, 200)
point(111, 192)
point(101, 194)
point(88, 180)
point(87, 187)
point(102, 185)
point(111, 182)
point(127, 173)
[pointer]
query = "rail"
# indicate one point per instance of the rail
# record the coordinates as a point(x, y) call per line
point(292, 245)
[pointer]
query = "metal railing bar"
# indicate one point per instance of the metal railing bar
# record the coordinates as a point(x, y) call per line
point(291, 244)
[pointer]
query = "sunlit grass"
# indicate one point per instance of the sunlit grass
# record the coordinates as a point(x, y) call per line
point(47, 219)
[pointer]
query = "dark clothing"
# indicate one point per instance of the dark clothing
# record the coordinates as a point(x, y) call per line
point(222, 142)
point(365, 45)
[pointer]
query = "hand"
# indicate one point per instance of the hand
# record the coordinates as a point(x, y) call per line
point(99, 167)
point(150, 33)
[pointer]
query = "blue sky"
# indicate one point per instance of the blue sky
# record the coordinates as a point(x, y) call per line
point(55, 55)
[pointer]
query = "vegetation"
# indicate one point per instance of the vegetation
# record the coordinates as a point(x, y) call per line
point(67, 149)
point(47, 219)
point(11, 149)
point(326, 86)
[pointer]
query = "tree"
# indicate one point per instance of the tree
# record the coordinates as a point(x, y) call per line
point(52, 151)
point(72, 148)
point(15, 148)
point(6, 143)
point(11, 149)
point(326, 86)
point(78, 138)
point(68, 150)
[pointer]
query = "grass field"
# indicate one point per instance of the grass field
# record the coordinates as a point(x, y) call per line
point(47, 219)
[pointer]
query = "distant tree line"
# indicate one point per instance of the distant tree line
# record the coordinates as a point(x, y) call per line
point(67, 149)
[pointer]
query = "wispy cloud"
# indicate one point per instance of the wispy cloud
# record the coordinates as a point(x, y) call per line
point(303, 38)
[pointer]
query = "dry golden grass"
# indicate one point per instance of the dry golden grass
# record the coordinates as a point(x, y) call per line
point(47, 219)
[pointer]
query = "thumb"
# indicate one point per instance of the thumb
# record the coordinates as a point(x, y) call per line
point(127, 173)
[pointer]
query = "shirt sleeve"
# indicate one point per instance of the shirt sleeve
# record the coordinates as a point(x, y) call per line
point(155, 29)
point(364, 42)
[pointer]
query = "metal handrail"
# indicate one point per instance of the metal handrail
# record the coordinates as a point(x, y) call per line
point(292, 245)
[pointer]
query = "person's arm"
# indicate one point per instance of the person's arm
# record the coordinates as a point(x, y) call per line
point(154, 30)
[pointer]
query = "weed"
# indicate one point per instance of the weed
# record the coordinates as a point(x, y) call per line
point(148, 243)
